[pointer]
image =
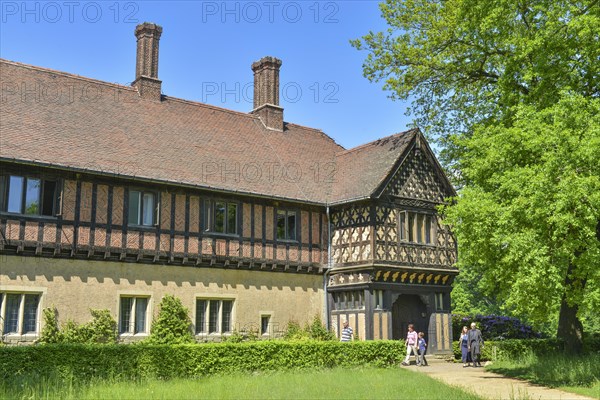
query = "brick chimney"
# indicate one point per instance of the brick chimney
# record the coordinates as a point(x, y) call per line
point(146, 68)
point(266, 92)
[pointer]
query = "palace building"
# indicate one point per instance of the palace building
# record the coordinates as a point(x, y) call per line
point(113, 196)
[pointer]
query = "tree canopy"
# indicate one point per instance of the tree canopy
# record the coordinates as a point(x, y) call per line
point(466, 62)
point(510, 91)
point(529, 215)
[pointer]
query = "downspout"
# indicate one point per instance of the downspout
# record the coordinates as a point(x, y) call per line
point(327, 271)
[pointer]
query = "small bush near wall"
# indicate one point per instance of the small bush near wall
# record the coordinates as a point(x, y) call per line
point(315, 331)
point(102, 329)
point(85, 362)
point(173, 324)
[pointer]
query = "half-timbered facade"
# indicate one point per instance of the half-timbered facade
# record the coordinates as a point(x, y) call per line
point(113, 196)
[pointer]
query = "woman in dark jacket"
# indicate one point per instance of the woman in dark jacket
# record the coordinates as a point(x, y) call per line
point(464, 347)
point(475, 344)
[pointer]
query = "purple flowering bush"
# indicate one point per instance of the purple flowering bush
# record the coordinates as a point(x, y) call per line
point(494, 327)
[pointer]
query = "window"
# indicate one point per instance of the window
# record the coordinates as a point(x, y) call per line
point(377, 299)
point(439, 301)
point(143, 208)
point(402, 226)
point(221, 216)
point(19, 311)
point(286, 225)
point(133, 315)
point(264, 324)
point(213, 316)
point(416, 227)
point(29, 196)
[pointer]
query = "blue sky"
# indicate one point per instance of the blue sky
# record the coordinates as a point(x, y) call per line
point(207, 48)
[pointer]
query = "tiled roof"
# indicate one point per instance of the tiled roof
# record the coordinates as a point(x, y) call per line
point(54, 118)
point(362, 169)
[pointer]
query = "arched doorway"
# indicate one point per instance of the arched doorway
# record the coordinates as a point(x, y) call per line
point(408, 309)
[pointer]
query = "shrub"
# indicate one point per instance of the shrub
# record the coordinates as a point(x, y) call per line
point(50, 332)
point(235, 337)
point(515, 348)
point(74, 333)
point(102, 329)
point(318, 331)
point(494, 327)
point(315, 331)
point(294, 331)
point(173, 324)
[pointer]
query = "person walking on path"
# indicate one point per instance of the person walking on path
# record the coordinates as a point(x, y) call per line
point(347, 333)
point(422, 344)
point(464, 347)
point(475, 344)
point(411, 344)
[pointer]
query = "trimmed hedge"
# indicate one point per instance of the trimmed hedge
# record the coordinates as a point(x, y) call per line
point(85, 362)
point(513, 348)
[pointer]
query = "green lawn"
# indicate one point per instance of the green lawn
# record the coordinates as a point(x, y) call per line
point(363, 383)
point(579, 375)
point(592, 391)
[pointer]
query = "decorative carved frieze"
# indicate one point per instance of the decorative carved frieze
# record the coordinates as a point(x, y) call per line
point(349, 279)
point(413, 277)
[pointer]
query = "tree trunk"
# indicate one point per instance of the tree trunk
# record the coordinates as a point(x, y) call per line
point(570, 328)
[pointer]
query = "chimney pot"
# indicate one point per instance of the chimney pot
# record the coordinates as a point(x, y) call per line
point(146, 68)
point(266, 92)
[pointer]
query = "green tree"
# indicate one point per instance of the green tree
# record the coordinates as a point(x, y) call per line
point(527, 222)
point(173, 324)
point(467, 62)
point(470, 298)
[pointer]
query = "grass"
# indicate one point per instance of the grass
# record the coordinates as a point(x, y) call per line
point(592, 391)
point(359, 383)
point(579, 375)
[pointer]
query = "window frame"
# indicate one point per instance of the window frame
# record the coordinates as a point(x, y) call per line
point(210, 217)
point(417, 228)
point(5, 184)
point(133, 315)
point(21, 317)
point(439, 301)
point(265, 316)
point(155, 213)
point(286, 230)
point(203, 328)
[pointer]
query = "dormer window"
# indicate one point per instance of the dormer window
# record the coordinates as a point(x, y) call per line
point(28, 195)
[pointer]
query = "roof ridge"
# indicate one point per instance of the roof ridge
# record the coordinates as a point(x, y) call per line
point(66, 74)
point(318, 130)
point(362, 146)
